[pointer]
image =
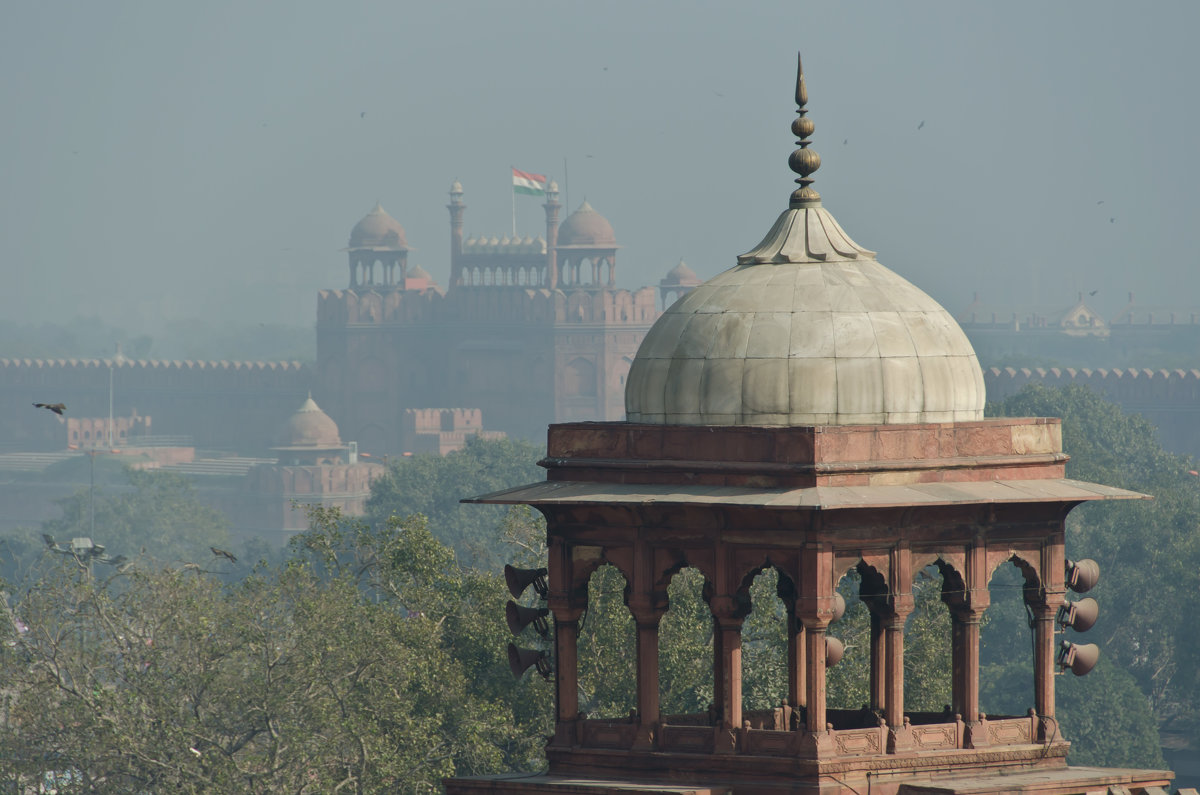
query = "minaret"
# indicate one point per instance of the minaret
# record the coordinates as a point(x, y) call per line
point(552, 206)
point(456, 208)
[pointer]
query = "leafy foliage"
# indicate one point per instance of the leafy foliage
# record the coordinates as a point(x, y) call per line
point(360, 665)
point(433, 485)
point(685, 647)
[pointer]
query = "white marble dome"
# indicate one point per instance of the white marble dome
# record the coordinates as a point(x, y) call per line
point(807, 329)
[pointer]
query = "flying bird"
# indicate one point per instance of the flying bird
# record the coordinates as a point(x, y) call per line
point(57, 408)
point(220, 553)
point(362, 115)
point(1100, 202)
point(1093, 292)
point(922, 124)
point(1110, 220)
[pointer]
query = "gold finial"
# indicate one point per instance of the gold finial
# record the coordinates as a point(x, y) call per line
point(804, 161)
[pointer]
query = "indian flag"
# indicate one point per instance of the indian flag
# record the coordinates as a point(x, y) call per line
point(528, 184)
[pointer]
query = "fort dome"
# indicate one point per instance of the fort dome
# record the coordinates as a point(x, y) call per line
point(378, 230)
point(681, 274)
point(310, 428)
point(808, 328)
point(586, 228)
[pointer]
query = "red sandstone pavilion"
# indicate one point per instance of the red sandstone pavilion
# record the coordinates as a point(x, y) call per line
point(810, 411)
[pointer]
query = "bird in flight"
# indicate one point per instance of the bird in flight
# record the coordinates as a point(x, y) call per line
point(922, 124)
point(220, 553)
point(57, 408)
point(1093, 292)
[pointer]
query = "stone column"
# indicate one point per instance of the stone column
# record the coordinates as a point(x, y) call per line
point(970, 623)
point(893, 628)
point(646, 615)
point(878, 661)
point(797, 660)
point(647, 669)
point(899, 606)
point(566, 670)
point(728, 616)
point(966, 623)
point(814, 685)
point(814, 608)
point(1043, 664)
point(567, 609)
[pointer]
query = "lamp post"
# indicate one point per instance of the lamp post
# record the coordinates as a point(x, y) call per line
point(85, 552)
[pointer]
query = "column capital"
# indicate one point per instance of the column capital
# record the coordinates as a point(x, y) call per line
point(729, 610)
point(565, 610)
point(646, 614)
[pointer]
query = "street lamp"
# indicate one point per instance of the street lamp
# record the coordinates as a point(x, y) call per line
point(84, 551)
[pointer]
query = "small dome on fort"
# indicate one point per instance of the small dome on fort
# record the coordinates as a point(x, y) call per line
point(311, 428)
point(681, 275)
point(586, 228)
point(808, 328)
point(378, 230)
point(417, 272)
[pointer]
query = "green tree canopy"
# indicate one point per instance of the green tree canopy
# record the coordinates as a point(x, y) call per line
point(361, 665)
point(433, 485)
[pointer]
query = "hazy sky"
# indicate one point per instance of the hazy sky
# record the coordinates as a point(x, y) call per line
point(186, 159)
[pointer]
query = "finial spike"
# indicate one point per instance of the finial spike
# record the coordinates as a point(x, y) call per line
point(801, 88)
point(804, 161)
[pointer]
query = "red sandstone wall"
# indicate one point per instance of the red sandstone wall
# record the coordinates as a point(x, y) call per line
point(221, 405)
point(1170, 399)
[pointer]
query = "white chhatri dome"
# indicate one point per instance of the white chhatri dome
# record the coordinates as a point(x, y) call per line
point(807, 329)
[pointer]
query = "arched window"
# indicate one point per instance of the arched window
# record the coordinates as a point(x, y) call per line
point(607, 639)
point(579, 379)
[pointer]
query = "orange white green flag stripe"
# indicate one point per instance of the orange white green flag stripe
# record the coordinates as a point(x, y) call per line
point(527, 184)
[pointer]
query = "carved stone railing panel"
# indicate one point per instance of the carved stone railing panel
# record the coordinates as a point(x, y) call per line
point(608, 734)
point(860, 742)
point(764, 742)
point(1011, 731)
point(936, 736)
point(691, 739)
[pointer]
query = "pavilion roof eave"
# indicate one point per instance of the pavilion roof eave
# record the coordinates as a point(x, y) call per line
point(812, 498)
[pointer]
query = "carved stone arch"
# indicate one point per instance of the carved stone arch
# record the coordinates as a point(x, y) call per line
point(873, 587)
point(580, 378)
point(877, 561)
point(1027, 560)
point(753, 563)
point(668, 563)
point(954, 583)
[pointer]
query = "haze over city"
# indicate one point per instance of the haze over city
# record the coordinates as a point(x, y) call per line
point(162, 162)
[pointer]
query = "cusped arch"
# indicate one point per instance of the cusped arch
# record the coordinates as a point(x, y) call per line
point(1027, 561)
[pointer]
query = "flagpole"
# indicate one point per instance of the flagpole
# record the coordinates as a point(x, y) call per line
point(514, 203)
